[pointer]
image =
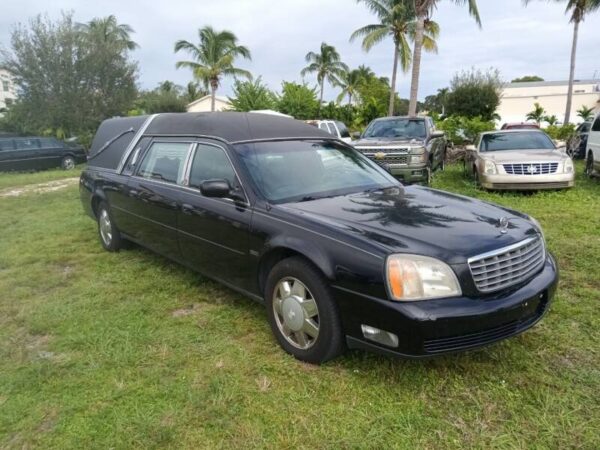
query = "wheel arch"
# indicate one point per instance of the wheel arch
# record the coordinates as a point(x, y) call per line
point(97, 197)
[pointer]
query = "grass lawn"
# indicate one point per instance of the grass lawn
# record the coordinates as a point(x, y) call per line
point(130, 350)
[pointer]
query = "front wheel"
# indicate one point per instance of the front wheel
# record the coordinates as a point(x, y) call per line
point(68, 163)
point(302, 312)
point(589, 165)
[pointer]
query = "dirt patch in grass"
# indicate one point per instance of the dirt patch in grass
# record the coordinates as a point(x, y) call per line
point(39, 188)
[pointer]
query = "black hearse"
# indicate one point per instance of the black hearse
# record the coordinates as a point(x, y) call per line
point(338, 250)
point(37, 153)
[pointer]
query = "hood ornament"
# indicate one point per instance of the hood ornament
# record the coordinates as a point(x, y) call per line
point(503, 225)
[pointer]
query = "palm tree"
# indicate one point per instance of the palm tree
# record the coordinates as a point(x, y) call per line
point(328, 66)
point(213, 58)
point(585, 113)
point(193, 91)
point(349, 81)
point(551, 120)
point(109, 31)
point(396, 19)
point(578, 10)
point(423, 10)
point(365, 72)
point(538, 114)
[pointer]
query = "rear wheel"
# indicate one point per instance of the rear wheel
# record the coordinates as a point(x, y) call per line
point(68, 163)
point(110, 237)
point(589, 165)
point(302, 312)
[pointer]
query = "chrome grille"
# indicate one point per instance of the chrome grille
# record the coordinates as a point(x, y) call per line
point(383, 150)
point(507, 266)
point(531, 168)
point(394, 159)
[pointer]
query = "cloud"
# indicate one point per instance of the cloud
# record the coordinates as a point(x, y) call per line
point(515, 39)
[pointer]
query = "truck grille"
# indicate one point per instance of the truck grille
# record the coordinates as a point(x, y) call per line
point(507, 266)
point(383, 150)
point(531, 168)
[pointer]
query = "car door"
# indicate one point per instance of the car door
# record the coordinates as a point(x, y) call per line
point(213, 232)
point(51, 152)
point(7, 150)
point(153, 195)
point(27, 154)
point(594, 140)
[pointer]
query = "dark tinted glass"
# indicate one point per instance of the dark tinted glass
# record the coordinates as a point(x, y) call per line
point(49, 142)
point(343, 129)
point(596, 126)
point(211, 163)
point(397, 128)
point(27, 144)
point(515, 141)
point(7, 144)
point(165, 161)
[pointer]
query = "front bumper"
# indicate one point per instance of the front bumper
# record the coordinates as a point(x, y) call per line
point(406, 173)
point(527, 182)
point(432, 327)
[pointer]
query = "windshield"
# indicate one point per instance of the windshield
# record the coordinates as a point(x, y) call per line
point(515, 141)
point(397, 128)
point(290, 171)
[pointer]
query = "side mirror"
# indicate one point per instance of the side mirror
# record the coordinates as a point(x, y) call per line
point(215, 188)
point(355, 135)
point(436, 134)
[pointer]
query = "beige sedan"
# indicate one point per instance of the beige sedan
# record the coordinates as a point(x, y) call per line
point(519, 160)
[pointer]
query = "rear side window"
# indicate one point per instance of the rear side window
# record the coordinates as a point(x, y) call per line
point(165, 161)
point(6, 144)
point(211, 163)
point(49, 142)
point(596, 126)
point(27, 144)
point(343, 130)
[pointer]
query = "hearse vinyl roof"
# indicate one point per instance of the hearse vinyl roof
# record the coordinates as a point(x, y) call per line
point(115, 135)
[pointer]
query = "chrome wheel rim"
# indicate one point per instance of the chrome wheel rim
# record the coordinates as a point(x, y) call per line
point(296, 313)
point(68, 163)
point(105, 228)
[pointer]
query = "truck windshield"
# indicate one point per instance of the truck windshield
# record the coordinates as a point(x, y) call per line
point(291, 171)
point(516, 141)
point(396, 128)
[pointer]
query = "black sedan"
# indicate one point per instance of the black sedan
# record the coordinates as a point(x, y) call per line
point(341, 253)
point(36, 153)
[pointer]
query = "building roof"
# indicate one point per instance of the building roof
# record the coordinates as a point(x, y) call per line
point(218, 98)
point(548, 83)
point(114, 136)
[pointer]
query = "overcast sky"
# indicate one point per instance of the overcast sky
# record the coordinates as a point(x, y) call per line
point(517, 40)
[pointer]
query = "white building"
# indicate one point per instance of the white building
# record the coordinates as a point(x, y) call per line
point(517, 99)
point(203, 104)
point(8, 91)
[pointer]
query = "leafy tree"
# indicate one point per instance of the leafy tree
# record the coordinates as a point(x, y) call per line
point(585, 113)
point(374, 95)
point(213, 57)
point(551, 120)
point(527, 78)
point(298, 100)
point(423, 10)
point(474, 93)
point(252, 95)
point(537, 115)
point(167, 97)
point(70, 77)
point(578, 9)
point(327, 65)
point(460, 130)
point(193, 91)
point(397, 20)
point(437, 103)
point(349, 81)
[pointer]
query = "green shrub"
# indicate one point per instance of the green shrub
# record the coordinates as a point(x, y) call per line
point(460, 130)
point(561, 132)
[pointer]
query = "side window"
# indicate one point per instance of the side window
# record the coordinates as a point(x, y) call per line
point(165, 161)
point(134, 157)
point(6, 144)
point(211, 163)
point(332, 129)
point(323, 126)
point(27, 144)
point(596, 126)
point(49, 143)
point(343, 130)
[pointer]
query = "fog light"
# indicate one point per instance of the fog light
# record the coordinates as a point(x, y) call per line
point(379, 336)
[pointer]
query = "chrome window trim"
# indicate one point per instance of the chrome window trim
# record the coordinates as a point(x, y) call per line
point(134, 141)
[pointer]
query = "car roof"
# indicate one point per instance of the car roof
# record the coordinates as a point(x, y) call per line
point(521, 130)
point(399, 117)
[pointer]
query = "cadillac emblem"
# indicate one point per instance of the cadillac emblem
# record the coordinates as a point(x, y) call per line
point(379, 155)
point(503, 225)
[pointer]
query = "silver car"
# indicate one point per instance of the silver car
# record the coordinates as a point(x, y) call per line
point(519, 160)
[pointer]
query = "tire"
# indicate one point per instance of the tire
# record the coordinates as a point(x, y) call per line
point(302, 312)
point(589, 165)
point(442, 165)
point(109, 234)
point(476, 178)
point(429, 176)
point(67, 163)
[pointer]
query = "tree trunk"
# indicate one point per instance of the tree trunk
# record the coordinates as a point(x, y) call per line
point(572, 72)
point(416, 66)
point(393, 83)
point(349, 98)
point(213, 92)
point(321, 96)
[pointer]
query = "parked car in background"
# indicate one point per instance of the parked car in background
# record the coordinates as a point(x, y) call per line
point(335, 127)
point(577, 146)
point(520, 126)
point(519, 160)
point(36, 153)
point(592, 159)
point(341, 254)
point(410, 148)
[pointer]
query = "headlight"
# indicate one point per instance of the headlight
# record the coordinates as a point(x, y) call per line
point(417, 150)
point(538, 226)
point(418, 159)
point(415, 277)
point(489, 167)
point(568, 167)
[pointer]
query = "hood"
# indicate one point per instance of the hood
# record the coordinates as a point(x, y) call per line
point(505, 156)
point(390, 142)
point(419, 220)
